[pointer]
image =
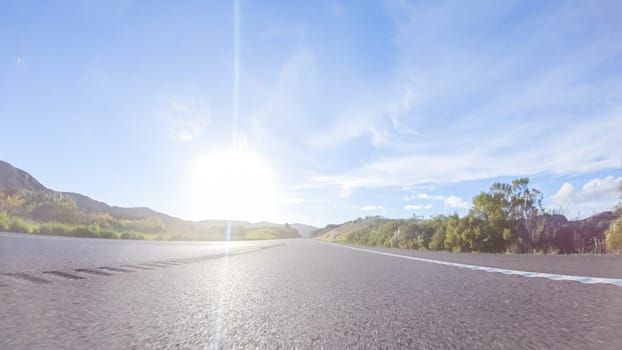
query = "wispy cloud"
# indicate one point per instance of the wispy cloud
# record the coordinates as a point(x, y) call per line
point(417, 206)
point(453, 202)
point(444, 123)
point(372, 208)
point(430, 197)
point(547, 153)
point(456, 202)
point(184, 122)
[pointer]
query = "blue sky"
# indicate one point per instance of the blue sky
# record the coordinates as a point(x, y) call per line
point(343, 109)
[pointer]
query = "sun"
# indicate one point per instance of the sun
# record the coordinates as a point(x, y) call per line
point(234, 185)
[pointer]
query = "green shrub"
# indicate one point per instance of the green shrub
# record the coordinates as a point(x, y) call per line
point(5, 222)
point(109, 234)
point(19, 225)
point(131, 235)
point(84, 231)
point(613, 236)
point(55, 228)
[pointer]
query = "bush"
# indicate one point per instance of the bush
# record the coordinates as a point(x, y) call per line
point(131, 235)
point(84, 231)
point(109, 234)
point(5, 223)
point(19, 225)
point(613, 236)
point(54, 228)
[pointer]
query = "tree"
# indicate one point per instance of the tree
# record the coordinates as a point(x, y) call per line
point(5, 222)
point(453, 237)
point(613, 235)
point(500, 209)
point(437, 242)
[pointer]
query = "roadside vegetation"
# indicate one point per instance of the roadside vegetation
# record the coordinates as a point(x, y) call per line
point(508, 218)
point(614, 235)
point(54, 213)
point(614, 232)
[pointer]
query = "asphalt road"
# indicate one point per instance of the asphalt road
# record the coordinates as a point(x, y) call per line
point(291, 294)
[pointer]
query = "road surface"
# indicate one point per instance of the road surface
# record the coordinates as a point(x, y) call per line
point(65, 293)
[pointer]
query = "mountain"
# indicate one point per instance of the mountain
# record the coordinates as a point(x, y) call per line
point(16, 179)
point(32, 207)
point(339, 232)
point(93, 206)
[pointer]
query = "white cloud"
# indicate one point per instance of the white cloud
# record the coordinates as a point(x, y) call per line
point(292, 200)
point(372, 208)
point(538, 121)
point(417, 206)
point(456, 202)
point(429, 197)
point(595, 196)
point(598, 188)
point(355, 121)
point(549, 155)
point(594, 190)
point(19, 61)
point(565, 194)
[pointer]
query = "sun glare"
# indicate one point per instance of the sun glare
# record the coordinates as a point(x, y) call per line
point(234, 185)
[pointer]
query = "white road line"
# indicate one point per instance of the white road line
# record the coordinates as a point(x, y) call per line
point(551, 276)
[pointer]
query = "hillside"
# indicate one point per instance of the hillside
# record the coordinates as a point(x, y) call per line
point(304, 230)
point(28, 206)
point(17, 179)
point(339, 233)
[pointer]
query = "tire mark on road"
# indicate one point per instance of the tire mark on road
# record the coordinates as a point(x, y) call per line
point(115, 269)
point(65, 275)
point(94, 272)
point(27, 277)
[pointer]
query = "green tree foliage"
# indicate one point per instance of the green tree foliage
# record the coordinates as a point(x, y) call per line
point(490, 225)
point(613, 240)
point(499, 210)
point(613, 236)
point(5, 223)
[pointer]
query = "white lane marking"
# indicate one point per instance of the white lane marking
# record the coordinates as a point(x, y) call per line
point(551, 276)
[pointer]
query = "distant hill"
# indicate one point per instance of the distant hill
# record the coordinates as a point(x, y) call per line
point(304, 230)
point(245, 224)
point(16, 179)
point(93, 206)
point(339, 232)
point(32, 207)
